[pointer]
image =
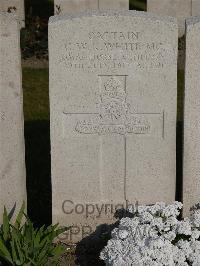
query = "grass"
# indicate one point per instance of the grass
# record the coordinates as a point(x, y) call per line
point(36, 94)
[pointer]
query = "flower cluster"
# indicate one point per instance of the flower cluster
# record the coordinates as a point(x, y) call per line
point(155, 237)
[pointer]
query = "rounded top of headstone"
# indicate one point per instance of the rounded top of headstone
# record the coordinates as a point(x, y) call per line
point(192, 21)
point(8, 16)
point(110, 13)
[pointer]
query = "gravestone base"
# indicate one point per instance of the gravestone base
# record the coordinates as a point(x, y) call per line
point(87, 218)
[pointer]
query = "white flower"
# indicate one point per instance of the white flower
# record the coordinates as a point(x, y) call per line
point(141, 209)
point(195, 218)
point(195, 234)
point(184, 227)
point(171, 221)
point(178, 205)
point(170, 236)
point(155, 237)
point(178, 255)
point(170, 210)
point(155, 209)
point(147, 217)
point(123, 233)
point(185, 247)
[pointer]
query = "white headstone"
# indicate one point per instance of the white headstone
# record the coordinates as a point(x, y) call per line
point(16, 7)
point(75, 6)
point(12, 159)
point(191, 180)
point(195, 8)
point(181, 9)
point(113, 4)
point(113, 91)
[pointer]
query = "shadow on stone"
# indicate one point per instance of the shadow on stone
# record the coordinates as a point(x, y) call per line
point(88, 249)
point(38, 167)
point(179, 161)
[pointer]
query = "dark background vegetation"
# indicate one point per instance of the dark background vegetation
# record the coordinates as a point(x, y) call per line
point(44, 8)
point(34, 37)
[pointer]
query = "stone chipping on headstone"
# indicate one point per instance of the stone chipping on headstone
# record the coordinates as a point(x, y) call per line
point(113, 97)
point(12, 159)
point(191, 172)
point(74, 6)
point(15, 7)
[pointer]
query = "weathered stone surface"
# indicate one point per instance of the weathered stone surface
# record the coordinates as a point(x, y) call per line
point(181, 9)
point(75, 6)
point(195, 8)
point(12, 161)
point(113, 91)
point(16, 7)
point(113, 4)
point(191, 181)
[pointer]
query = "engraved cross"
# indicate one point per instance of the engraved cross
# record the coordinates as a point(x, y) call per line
point(114, 123)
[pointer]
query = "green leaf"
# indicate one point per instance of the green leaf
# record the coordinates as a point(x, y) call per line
point(5, 253)
point(6, 225)
point(23, 245)
point(20, 216)
point(14, 254)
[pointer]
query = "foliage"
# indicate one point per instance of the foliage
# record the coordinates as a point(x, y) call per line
point(138, 5)
point(41, 8)
point(21, 244)
point(154, 236)
point(34, 38)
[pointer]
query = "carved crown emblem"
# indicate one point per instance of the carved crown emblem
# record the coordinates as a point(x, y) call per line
point(113, 99)
point(114, 89)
